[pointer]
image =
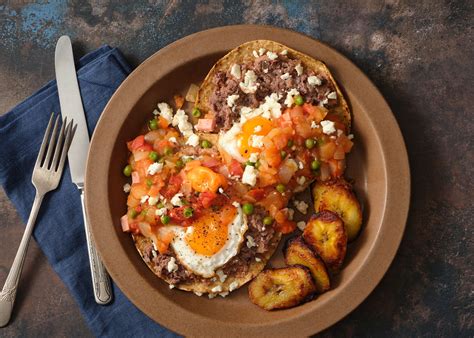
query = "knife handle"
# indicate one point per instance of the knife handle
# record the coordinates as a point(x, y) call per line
point(100, 277)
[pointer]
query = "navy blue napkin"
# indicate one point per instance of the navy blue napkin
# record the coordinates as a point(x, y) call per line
point(59, 228)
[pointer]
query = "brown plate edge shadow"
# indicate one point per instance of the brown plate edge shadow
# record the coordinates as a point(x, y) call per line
point(369, 273)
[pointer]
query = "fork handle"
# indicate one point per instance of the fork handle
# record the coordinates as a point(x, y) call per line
point(8, 294)
point(100, 277)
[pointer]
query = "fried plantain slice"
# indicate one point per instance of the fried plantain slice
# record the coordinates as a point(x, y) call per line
point(281, 288)
point(325, 234)
point(337, 196)
point(297, 252)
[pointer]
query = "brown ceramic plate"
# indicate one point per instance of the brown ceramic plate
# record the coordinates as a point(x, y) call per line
point(378, 164)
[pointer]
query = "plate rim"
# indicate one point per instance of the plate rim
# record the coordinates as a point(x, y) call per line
point(206, 325)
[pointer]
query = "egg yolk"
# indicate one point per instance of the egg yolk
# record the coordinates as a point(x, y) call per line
point(210, 231)
point(255, 126)
point(204, 179)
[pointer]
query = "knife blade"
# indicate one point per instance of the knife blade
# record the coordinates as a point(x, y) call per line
point(71, 107)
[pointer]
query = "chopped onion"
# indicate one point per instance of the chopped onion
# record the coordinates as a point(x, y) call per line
point(192, 93)
point(140, 155)
point(287, 170)
point(151, 136)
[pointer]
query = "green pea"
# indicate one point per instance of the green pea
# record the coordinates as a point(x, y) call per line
point(299, 100)
point(165, 219)
point(309, 143)
point(250, 163)
point(280, 188)
point(268, 220)
point(206, 144)
point(290, 143)
point(168, 151)
point(188, 212)
point(283, 154)
point(149, 182)
point(160, 205)
point(153, 124)
point(247, 208)
point(315, 165)
point(179, 164)
point(133, 213)
point(127, 171)
point(153, 155)
point(196, 112)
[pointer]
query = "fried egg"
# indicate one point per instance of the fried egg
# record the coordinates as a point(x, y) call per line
point(211, 241)
point(246, 138)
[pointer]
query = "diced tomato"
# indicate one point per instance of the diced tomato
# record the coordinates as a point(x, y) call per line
point(255, 195)
point(173, 186)
point(286, 227)
point(273, 202)
point(315, 112)
point(177, 214)
point(160, 145)
point(336, 167)
point(210, 162)
point(235, 168)
point(205, 124)
point(326, 150)
point(206, 198)
point(164, 123)
point(142, 167)
point(139, 143)
point(164, 241)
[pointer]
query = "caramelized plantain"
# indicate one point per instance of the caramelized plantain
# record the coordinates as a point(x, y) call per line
point(325, 234)
point(281, 288)
point(337, 196)
point(297, 252)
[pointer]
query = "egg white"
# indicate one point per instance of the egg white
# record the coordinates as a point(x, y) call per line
point(206, 266)
point(229, 143)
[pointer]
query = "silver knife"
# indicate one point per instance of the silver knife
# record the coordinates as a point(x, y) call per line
point(71, 107)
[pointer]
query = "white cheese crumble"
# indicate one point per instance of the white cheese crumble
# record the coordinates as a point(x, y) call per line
point(154, 168)
point(250, 242)
point(301, 225)
point(299, 69)
point(161, 211)
point(172, 139)
point(172, 266)
point(222, 276)
point(224, 294)
point(171, 286)
point(301, 180)
point(289, 97)
point(301, 206)
point(261, 51)
point(350, 136)
point(234, 285)
point(271, 106)
point(258, 259)
point(323, 102)
point(176, 200)
point(284, 52)
point(165, 111)
point(197, 293)
point(314, 80)
point(256, 141)
point(332, 95)
point(235, 71)
point(314, 125)
point(153, 200)
point(236, 204)
point(253, 157)
point(339, 132)
point(144, 198)
point(217, 288)
point(211, 295)
point(126, 187)
point(328, 127)
point(231, 100)
point(250, 175)
point(272, 55)
point(257, 129)
point(180, 120)
point(285, 76)
point(221, 191)
point(193, 140)
point(301, 165)
point(249, 85)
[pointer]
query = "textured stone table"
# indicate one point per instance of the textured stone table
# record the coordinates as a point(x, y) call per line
point(420, 56)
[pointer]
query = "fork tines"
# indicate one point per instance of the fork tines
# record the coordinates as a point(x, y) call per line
point(57, 148)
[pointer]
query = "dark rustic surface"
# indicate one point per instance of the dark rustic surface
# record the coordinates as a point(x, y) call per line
point(421, 57)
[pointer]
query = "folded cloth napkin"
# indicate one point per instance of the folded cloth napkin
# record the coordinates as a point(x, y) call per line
point(59, 227)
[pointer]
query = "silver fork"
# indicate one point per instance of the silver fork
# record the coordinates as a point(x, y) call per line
point(46, 176)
